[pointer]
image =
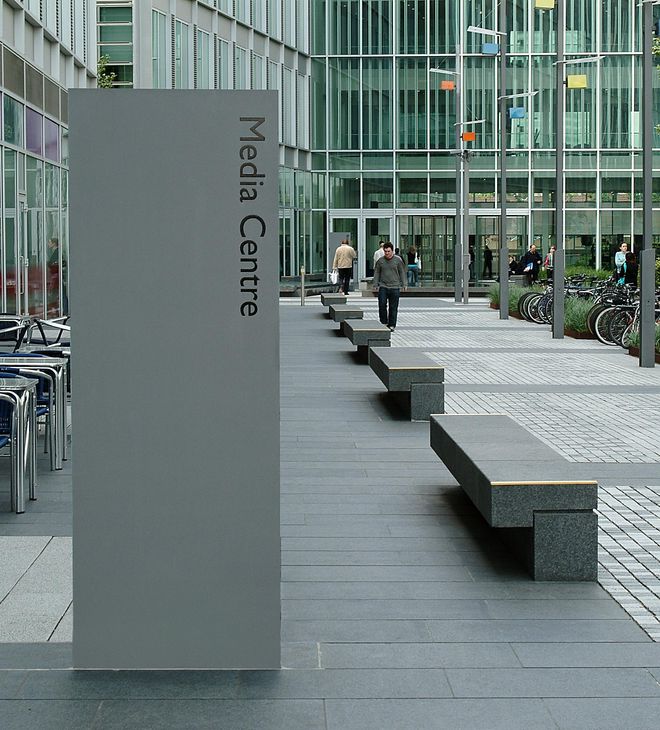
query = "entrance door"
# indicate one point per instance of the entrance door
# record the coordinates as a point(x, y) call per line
point(348, 226)
point(433, 238)
point(485, 231)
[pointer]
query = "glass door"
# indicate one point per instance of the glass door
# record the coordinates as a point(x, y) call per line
point(485, 237)
point(432, 238)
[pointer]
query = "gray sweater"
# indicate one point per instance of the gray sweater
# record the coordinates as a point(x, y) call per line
point(390, 274)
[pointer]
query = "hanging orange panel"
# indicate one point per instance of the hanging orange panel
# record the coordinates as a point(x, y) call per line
point(469, 136)
point(447, 85)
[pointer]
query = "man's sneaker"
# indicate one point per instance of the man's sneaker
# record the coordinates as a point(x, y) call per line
point(392, 328)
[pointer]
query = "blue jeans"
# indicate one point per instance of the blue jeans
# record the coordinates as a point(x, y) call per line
point(413, 273)
point(388, 298)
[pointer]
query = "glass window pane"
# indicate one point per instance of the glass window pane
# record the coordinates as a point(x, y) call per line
point(13, 122)
point(52, 140)
point(115, 33)
point(411, 87)
point(344, 103)
point(376, 26)
point(344, 190)
point(442, 26)
point(34, 136)
point(115, 15)
point(377, 104)
point(443, 190)
point(413, 191)
point(412, 26)
point(377, 190)
point(117, 54)
point(344, 19)
point(616, 30)
point(580, 26)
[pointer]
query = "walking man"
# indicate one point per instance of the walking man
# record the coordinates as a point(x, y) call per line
point(389, 279)
point(343, 262)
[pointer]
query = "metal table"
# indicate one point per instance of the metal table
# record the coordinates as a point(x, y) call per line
point(54, 368)
point(20, 393)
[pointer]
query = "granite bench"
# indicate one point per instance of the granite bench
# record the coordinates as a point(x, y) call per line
point(328, 299)
point(519, 484)
point(413, 378)
point(365, 334)
point(341, 312)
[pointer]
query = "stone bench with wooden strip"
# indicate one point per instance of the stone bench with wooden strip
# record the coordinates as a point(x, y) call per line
point(341, 312)
point(413, 378)
point(365, 334)
point(525, 489)
point(328, 299)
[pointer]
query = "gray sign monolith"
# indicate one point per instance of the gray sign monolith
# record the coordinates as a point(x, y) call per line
point(174, 290)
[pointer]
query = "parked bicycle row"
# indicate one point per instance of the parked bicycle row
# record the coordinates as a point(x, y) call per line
point(607, 310)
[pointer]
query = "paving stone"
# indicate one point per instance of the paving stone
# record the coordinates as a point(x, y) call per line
point(592, 654)
point(640, 713)
point(415, 656)
point(591, 682)
point(437, 714)
point(195, 715)
point(40, 715)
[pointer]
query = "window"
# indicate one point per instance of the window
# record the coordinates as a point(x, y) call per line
point(258, 71)
point(181, 56)
point(13, 118)
point(115, 40)
point(34, 132)
point(202, 61)
point(288, 106)
point(159, 50)
point(225, 67)
point(241, 69)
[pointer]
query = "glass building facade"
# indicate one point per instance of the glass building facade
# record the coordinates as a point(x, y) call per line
point(382, 129)
point(367, 135)
point(45, 49)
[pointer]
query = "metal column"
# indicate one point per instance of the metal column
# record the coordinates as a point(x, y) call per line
point(559, 263)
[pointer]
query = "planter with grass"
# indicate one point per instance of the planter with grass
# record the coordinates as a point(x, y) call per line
point(494, 296)
point(575, 318)
point(633, 346)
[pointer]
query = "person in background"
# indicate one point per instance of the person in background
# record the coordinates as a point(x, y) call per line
point(549, 261)
point(389, 279)
point(620, 258)
point(513, 265)
point(531, 263)
point(343, 262)
point(488, 262)
point(378, 252)
point(413, 266)
point(629, 270)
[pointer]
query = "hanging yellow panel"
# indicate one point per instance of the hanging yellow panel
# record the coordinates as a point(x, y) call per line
point(576, 81)
point(447, 85)
point(544, 4)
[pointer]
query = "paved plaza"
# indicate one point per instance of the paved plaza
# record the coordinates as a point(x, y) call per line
point(400, 607)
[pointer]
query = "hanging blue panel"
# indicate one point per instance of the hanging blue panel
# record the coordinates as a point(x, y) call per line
point(517, 112)
point(490, 49)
